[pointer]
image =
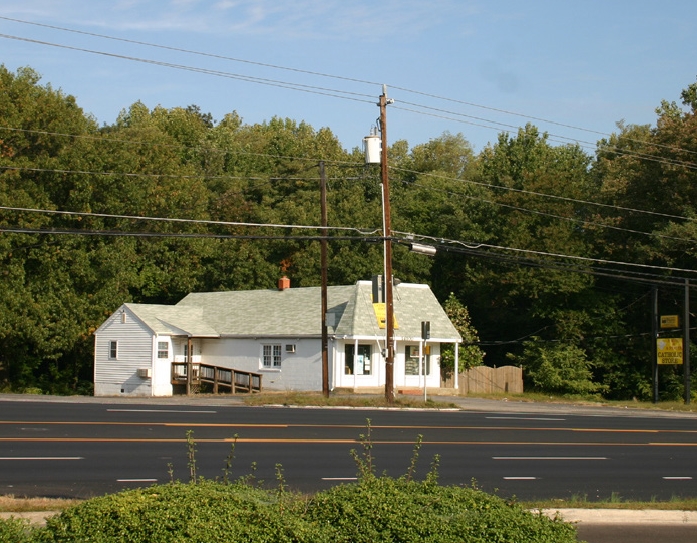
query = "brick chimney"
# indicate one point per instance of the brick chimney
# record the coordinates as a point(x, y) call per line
point(283, 283)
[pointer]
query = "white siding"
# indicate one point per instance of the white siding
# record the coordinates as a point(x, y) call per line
point(301, 370)
point(120, 376)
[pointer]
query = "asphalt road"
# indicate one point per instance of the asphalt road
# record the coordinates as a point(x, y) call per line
point(89, 448)
point(86, 447)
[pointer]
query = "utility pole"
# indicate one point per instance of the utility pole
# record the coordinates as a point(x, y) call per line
point(654, 338)
point(387, 233)
point(686, 341)
point(323, 265)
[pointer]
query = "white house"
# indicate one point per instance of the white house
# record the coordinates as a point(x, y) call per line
point(275, 333)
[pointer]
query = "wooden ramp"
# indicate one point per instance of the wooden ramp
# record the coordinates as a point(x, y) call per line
point(218, 378)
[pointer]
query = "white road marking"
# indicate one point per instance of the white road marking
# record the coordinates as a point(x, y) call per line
point(678, 478)
point(42, 458)
point(136, 480)
point(520, 478)
point(155, 411)
point(549, 457)
point(339, 478)
point(524, 418)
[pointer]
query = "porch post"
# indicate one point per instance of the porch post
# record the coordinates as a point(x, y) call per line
point(189, 366)
point(457, 369)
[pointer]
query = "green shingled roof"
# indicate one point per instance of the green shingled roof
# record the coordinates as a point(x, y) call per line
point(296, 312)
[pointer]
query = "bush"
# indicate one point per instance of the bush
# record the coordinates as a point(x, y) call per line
point(558, 368)
point(382, 509)
point(206, 512)
point(375, 510)
point(14, 530)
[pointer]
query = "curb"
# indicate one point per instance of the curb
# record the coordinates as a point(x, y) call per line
point(623, 516)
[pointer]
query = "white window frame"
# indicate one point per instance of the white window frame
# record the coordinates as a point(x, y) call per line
point(412, 352)
point(162, 352)
point(271, 356)
point(113, 350)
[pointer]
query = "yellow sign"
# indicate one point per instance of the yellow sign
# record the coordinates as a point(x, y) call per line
point(380, 314)
point(669, 321)
point(669, 350)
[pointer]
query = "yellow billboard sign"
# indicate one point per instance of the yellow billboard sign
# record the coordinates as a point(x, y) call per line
point(669, 321)
point(380, 315)
point(669, 350)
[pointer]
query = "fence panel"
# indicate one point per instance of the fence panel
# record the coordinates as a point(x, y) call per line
point(486, 380)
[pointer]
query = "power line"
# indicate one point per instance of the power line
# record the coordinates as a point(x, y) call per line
point(543, 195)
point(471, 246)
point(365, 231)
point(554, 216)
point(332, 76)
point(191, 51)
point(119, 233)
point(335, 162)
point(334, 93)
point(320, 90)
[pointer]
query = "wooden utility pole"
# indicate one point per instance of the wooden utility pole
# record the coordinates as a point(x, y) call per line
point(686, 341)
point(654, 338)
point(387, 233)
point(323, 265)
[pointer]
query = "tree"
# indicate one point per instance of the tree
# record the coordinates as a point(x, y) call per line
point(558, 368)
point(470, 354)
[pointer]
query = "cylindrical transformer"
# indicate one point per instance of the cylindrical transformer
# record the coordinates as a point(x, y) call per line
point(372, 147)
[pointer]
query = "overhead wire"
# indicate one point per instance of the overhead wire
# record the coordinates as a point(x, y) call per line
point(365, 231)
point(295, 86)
point(446, 244)
point(340, 162)
point(335, 93)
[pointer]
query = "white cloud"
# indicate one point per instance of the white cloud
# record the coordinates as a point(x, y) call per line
point(310, 19)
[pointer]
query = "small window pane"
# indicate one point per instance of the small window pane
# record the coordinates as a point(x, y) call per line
point(412, 364)
point(162, 349)
point(113, 350)
point(358, 363)
point(271, 356)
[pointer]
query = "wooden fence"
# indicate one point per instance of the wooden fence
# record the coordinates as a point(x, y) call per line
point(483, 379)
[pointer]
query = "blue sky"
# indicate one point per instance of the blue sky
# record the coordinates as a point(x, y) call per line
point(476, 67)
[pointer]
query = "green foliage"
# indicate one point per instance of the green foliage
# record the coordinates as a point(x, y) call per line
point(178, 163)
point(469, 354)
point(377, 509)
point(207, 512)
point(557, 367)
point(14, 530)
point(383, 509)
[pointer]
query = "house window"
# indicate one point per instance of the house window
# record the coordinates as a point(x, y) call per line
point(162, 349)
point(271, 357)
point(113, 350)
point(358, 362)
point(411, 360)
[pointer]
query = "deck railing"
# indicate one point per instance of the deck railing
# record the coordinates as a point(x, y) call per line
point(233, 380)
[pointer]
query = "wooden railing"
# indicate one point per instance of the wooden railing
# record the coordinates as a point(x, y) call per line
point(233, 380)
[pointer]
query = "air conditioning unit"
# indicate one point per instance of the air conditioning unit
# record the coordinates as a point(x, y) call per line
point(290, 348)
point(144, 373)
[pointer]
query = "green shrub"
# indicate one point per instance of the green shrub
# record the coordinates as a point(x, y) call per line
point(14, 530)
point(382, 509)
point(559, 368)
point(206, 512)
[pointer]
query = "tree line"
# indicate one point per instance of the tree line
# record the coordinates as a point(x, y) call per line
point(548, 253)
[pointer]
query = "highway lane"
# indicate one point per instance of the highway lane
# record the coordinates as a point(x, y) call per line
point(86, 449)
